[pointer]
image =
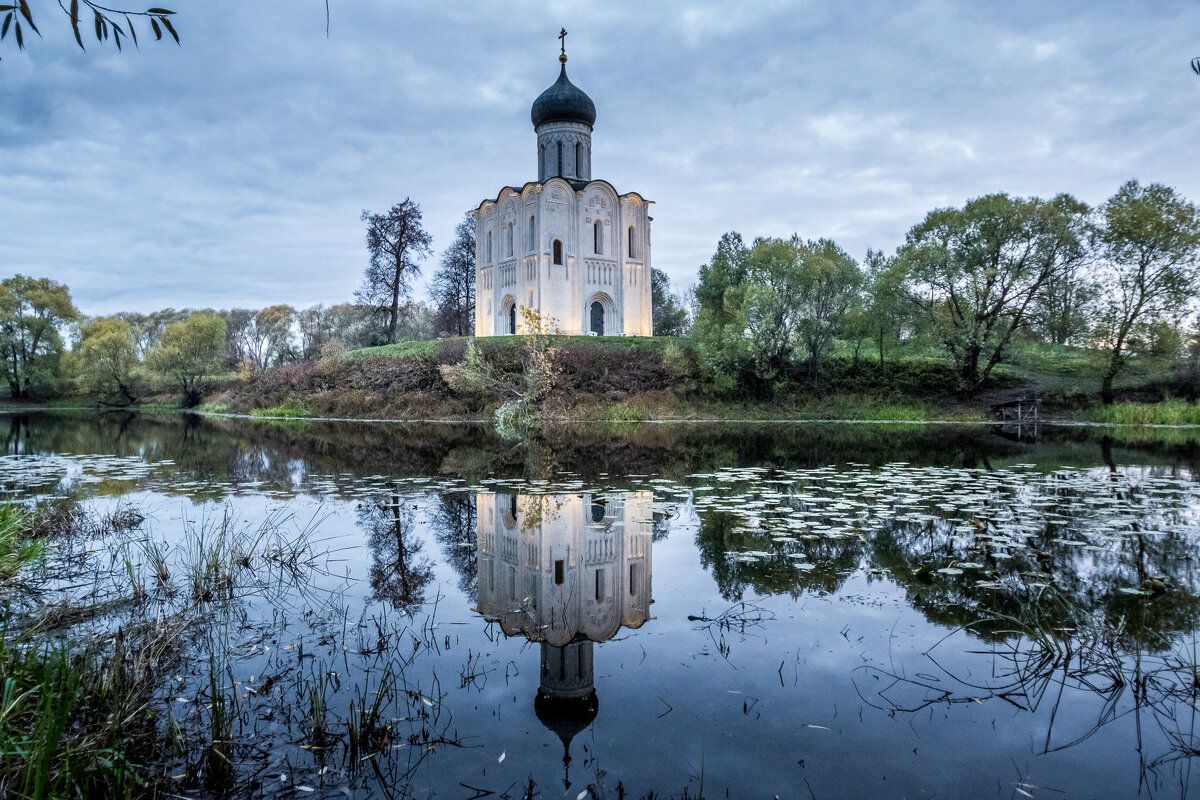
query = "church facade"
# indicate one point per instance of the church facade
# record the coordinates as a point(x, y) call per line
point(567, 246)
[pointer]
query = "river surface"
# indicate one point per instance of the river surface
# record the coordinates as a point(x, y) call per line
point(793, 611)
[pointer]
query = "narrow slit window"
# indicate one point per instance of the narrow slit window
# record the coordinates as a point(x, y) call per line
point(599, 585)
point(597, 238)
point(489, 247)
point(558, 572)
point(633, 580)
point(532, 234)
point(509, 240)
point(558, 251)
point(560, 169)
point(632, 252)
point(578, 160)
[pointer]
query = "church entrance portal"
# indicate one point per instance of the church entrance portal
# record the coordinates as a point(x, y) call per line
point(597, 319)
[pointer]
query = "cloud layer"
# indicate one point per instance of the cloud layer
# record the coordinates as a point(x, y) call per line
point(231, 171)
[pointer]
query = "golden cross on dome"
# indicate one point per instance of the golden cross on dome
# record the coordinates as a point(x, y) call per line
point(563, 37)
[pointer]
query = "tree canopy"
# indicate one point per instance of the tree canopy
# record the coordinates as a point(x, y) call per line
point(1149, 244)
point(32, 311)
point(975, 271)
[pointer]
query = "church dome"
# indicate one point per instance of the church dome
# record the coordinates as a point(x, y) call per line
point(563, 102)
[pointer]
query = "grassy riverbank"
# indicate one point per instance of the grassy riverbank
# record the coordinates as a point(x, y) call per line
point(617, 379)
point(635, 379)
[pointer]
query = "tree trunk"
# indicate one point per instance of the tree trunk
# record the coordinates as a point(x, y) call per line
point(970, 372)
point(395, 313)
point(1106, 386)
point(1106, 390)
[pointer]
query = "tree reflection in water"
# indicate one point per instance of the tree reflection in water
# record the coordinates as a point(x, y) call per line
point(1068, 590)
point(398, 573)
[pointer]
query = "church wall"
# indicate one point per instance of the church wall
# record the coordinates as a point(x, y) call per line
point(560, 281)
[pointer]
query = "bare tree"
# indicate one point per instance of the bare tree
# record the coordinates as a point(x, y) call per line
point(453, 285)
point(395, 240)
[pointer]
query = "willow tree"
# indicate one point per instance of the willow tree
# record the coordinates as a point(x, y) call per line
point(395, 242)
point(189, 352)
point(974, 272)
point(1149, 243)
point(32, 312)
point(107, 360)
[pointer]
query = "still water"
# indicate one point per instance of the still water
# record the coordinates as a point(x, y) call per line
point(801, 611)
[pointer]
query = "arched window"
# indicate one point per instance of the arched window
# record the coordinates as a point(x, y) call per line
point(512, 319)
point(489, 247)
point(532, 234)
point(508, 236)
point(560, 169)
point(578, 160)
point(632, 252)
point(558, 251)
point(597, 238)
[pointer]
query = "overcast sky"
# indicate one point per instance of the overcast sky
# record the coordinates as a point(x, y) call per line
point(231, 171)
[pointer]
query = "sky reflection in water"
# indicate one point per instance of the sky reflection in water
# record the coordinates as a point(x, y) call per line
point(981, 618)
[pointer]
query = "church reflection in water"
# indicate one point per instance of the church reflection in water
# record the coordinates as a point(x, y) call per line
point(566, 571)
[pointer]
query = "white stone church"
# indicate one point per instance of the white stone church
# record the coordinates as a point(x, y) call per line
point(567, 246)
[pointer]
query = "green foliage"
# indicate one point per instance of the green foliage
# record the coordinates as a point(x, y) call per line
point(290, 409)
point(106, 360)
point(1168, 412)
point(1149, 240)
point(403, 349)
point(104, 20)
point(974, 272)
point(758, 305)
point(669, 314)
point(17, 550)
point(190, 351)
point(32, 312)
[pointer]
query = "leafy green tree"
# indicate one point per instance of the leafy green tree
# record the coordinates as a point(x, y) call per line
point(1062, 311)
point(888, 310)
point(107, 360)
point(720, 329)
point(1149, 244)
point(189, 352)
point(669, 316)
point(974, 272)
point(148, 327)
point(32, 312)
point(759, 305)
point(395, 241)
point(829, 283)
point(106, 21)
point(453, 285)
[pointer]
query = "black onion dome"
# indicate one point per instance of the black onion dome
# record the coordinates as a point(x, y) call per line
point(563, 102)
